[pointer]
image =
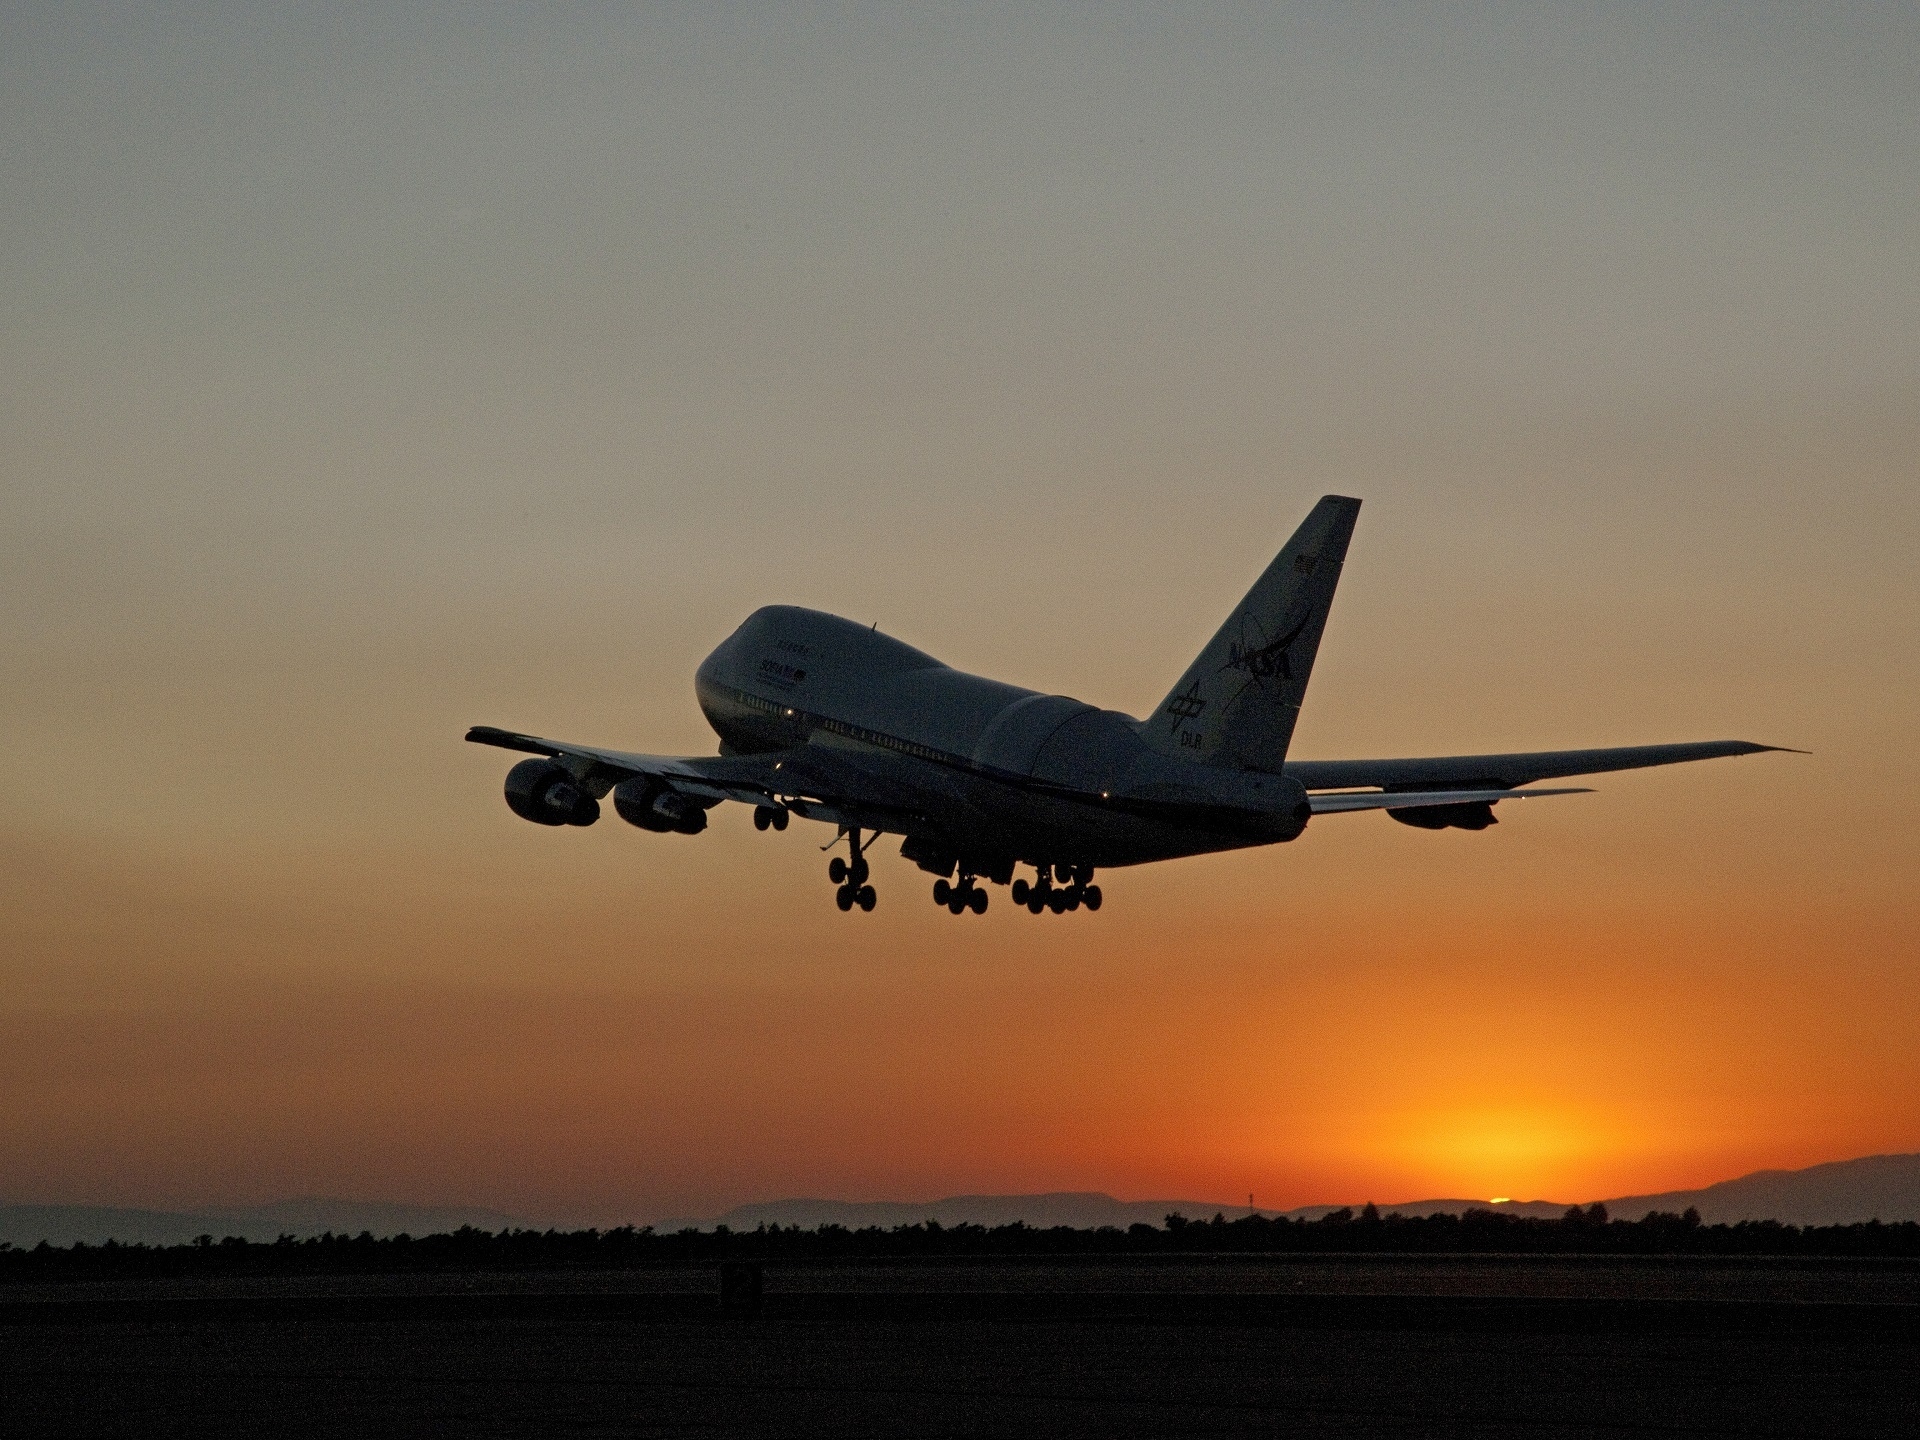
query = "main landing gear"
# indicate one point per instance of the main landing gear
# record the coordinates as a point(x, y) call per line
point(769, 817)
point(1076, 888)
point(960, 898)
point(851, 876)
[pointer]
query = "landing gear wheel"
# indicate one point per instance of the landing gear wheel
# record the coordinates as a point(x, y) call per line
point(778, 817)
point(843, 897)
point(865, 899)
point(1063, 874)
point(837, 872)
point(1020, 892)
point(978, 902)
point(956, 904)
point(1093, 897)
point(762, 817)
point(857, 871)
point(1036, 902)
point(1073, 897)
point(942, 892)
point(1057, 902)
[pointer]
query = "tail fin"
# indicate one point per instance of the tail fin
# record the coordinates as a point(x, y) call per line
point(1238, 701)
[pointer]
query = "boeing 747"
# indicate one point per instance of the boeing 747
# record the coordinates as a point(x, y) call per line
point(835, 722)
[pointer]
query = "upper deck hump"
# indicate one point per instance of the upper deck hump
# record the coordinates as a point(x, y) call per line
point(832, 641)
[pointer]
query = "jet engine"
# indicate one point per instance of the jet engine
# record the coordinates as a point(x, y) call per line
point(658, 807)
point(1474, 815)
point(544, 792)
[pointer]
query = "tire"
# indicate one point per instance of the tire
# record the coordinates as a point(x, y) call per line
point(843, 897)
point(780, 818)
point(762, 817)
point(867, 899)
point(857, 871)
point(1057, 902)
point(837, 872)
point(942, 892)
point(978, 902)
point(1020, 890)
point(1093, 897)
point(1035, 904)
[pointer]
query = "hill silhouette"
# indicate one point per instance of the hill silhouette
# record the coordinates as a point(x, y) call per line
point(1079, 1209)
point(1842, 1192)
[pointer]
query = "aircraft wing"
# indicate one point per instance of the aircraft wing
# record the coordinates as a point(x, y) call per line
point(815, 786)
point(749, 779)
point(1502, 772)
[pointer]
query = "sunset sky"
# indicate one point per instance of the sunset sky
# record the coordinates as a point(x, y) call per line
point(373, 371)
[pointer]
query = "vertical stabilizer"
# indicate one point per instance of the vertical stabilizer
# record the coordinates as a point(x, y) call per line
point(1238, 701)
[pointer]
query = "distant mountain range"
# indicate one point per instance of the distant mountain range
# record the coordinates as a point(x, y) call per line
point(1083, 1210)
point(1878, 1187)
point(1845, 1192)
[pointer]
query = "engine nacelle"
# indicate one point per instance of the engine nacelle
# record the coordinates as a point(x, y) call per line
point(657, 807)
point(544, 792)
point(1473, 815)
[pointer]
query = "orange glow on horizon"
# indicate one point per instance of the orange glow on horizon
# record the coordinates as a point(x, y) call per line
point(1366, 1056)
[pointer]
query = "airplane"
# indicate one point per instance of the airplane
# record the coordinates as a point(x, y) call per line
point(838, 723)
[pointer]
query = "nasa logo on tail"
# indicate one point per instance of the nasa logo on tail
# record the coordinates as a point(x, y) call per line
point(1269, 658)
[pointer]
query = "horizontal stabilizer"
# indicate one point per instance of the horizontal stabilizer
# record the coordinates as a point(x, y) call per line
point(1506, 772)
point(1341, 801)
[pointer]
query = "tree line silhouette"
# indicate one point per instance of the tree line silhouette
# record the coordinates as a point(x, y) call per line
point(1583, 1231)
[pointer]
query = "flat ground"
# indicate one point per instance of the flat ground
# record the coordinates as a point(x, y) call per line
point(1349, 1346)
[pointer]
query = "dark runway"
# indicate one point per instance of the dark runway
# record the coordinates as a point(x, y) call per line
point(1355, 1346)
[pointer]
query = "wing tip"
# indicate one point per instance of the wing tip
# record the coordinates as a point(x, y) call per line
point(506, 739)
